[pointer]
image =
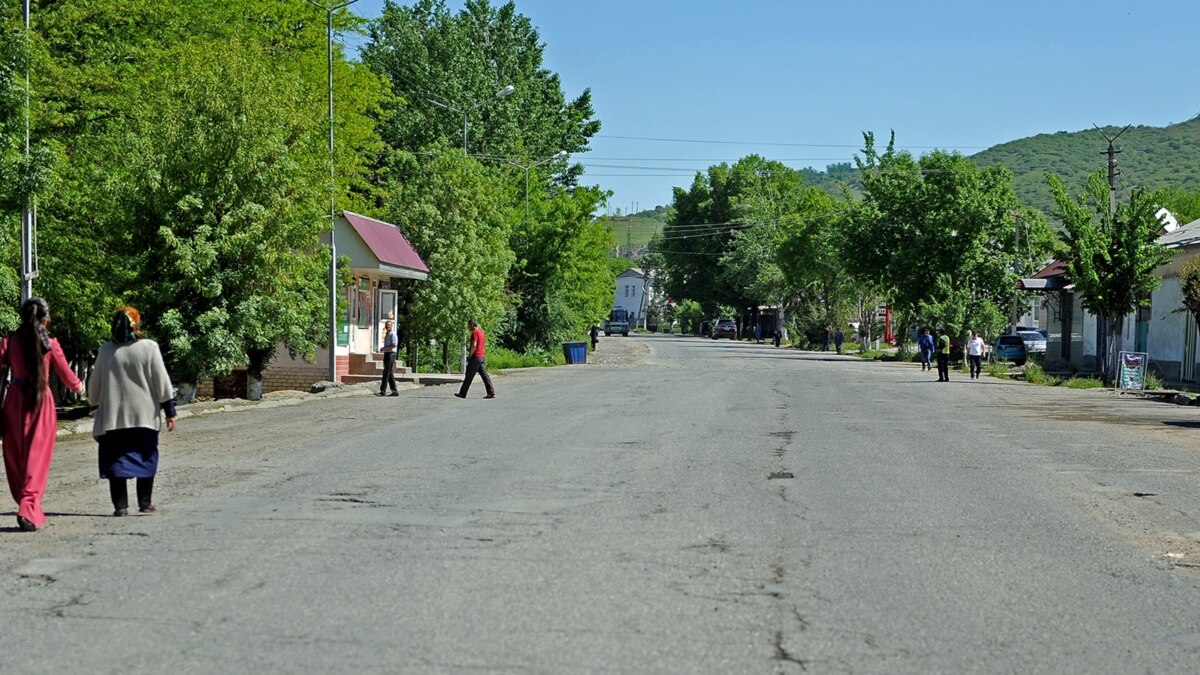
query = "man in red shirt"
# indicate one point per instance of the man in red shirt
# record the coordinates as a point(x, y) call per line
point(475, 364)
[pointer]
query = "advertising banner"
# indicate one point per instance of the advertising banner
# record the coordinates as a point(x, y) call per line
point(1131, 371)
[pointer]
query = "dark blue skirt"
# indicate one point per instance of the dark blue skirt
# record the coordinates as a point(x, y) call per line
point(129, 453)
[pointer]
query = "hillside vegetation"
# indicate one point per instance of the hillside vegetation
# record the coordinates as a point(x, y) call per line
point(1150, 157)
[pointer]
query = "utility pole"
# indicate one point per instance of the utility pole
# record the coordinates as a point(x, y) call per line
point(1016, 315)
point(1103, 334)
point(28, 213)
point(1113, 171)
point(333, 288)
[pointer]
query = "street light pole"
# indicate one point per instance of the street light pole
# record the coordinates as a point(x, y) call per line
point(499, 94)
point(558, 155)
point(329, 10)
point(28, 273)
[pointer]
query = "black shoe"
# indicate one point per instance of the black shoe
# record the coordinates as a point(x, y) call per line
point(25, 524)
point(394, 393)
point(490, 396)
point(460, 395)
point(120, 513)
point(379, 393)
point(147, 509)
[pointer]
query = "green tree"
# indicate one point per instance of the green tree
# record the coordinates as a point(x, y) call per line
point(453, 214)
point(700, 232)
point(562, 280)
point(1189, 282)
point(100, 74)
point(462, 59)
point(936, 236)
point(1111, 256)
point(14, 188)
point(225, 210)
point(1184, 204)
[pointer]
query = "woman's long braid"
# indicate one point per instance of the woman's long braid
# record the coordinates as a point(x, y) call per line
point(35, 342)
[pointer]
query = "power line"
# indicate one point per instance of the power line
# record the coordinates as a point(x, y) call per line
point(857, 146)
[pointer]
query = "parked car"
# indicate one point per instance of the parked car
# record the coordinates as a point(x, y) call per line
point(725, 328)
point(705, 329)
point(1010, 348)
point(1035, 342)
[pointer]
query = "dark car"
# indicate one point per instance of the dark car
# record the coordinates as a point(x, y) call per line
point(1010, 348)
point(705, 329)
point(725, 328)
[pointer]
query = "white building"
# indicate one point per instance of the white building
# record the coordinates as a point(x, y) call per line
point(632, 292)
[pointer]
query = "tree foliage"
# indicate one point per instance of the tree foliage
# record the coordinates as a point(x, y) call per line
point(562, 280)
point(453, 215)
point(1111, 256)
point(461, 60)
point(937, 236)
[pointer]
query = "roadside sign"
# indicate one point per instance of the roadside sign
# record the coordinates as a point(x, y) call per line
point(1131, 370)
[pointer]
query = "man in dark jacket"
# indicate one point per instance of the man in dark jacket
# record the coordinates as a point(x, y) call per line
point(925, 346)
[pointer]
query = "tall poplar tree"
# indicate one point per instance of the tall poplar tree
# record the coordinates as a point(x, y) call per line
point(1111, 256)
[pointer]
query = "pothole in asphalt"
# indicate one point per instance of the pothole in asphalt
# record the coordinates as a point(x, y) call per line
point(781, 474)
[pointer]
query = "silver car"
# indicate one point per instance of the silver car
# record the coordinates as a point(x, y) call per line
point(1035, 342)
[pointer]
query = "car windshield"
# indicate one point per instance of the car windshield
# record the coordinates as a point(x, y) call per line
point(1032, 335)
point(1010, 341)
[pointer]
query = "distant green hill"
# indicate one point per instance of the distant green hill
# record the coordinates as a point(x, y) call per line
point(1150, 157)
point(634, 231)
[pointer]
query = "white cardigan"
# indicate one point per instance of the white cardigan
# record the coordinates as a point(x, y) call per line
point(129, 383)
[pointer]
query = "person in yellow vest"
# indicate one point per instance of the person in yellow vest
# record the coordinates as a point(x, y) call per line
point(943, 356)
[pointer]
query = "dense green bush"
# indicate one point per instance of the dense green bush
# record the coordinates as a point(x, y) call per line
point(499, 358)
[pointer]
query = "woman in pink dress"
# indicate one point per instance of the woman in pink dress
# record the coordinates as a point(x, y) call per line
point(30, 418)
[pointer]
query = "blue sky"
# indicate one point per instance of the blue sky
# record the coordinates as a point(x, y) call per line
point(800, 80)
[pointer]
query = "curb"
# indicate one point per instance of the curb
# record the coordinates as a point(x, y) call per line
point(204, 408)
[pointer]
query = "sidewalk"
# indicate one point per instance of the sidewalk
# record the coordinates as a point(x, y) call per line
point(275, 399)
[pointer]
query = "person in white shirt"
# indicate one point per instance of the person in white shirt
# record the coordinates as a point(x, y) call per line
point(975, 354)
point(390, 344)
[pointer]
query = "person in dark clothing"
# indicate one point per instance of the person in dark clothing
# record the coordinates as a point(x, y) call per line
point(838, 338)
point(389, 360)
point(925, 346)
point(475, 362)
point(825, 342)
point(777, 337)
point(943, 356)
point(595, 332)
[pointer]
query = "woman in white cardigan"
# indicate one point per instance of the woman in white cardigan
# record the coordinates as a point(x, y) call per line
point(129, 387)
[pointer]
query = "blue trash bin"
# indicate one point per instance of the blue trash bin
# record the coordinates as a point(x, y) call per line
point(575, 352)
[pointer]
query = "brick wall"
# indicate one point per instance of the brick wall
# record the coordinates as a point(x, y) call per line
point(286, 373)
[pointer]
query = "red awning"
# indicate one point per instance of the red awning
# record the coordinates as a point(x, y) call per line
point(387, 243)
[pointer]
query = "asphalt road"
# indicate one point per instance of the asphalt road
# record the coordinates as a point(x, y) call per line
point(694, 507)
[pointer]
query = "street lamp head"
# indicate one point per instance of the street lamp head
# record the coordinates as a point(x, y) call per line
point(505, 91)
point(560, 154)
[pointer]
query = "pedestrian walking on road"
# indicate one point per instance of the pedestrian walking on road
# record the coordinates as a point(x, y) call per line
point(130, 389)
point(975, 355)
point(30, 418)
point(825, 341)
point(390, 342)
point(943, 356)
point(475, 362)
point(925, 346)
point(838, 339)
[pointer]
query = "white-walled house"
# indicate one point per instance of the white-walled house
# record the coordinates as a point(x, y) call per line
point(632, 292)
point(1167, 329)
